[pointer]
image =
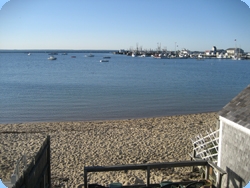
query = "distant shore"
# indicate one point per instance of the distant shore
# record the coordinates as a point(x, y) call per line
point(55, 50)
point(102, 143)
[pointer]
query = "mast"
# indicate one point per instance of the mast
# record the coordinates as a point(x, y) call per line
point(235, 47)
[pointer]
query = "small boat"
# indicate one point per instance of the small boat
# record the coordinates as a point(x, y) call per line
point(200, 57)
point(134, 54)
point(236, 57)
point(64, 53)
point(104, 60)
point(73, 56)
point(183, 56)
point(29, 53)
point(248, 56)
point(89, 55)
point(106, 57)
point(52, 58)
point(144, 55)
point(53, 53)
point(160, 56)
point(220, 56)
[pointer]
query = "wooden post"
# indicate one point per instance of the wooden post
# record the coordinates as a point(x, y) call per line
point(26, 178)
point(219, 180)
point(48, 159)
point(85, 179)
point(194, 155)
point(148, 175)
point(207, 172)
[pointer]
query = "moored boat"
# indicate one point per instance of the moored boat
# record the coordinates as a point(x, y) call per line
point(248, 56)
point(134, 54)
point(220, 56)
point(53, 53)
point(237, 57)
point(104, 60)
point(200, 57)
point(144, 55)
point(89, 55)
point(160, 56)
point(52, 58)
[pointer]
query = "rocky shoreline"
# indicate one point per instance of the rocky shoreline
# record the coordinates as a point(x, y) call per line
point(104, 143)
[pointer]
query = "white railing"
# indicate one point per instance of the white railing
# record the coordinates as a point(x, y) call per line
point(206, 147)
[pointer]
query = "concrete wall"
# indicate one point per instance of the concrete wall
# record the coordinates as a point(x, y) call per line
point(234, 153)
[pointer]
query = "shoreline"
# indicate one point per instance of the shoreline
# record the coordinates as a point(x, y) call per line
point(109, 119)
point(108, 142)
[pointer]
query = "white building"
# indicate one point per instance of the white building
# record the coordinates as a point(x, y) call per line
point(232, 51)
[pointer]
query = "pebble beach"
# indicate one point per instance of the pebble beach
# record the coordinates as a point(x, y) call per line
point(105, 143)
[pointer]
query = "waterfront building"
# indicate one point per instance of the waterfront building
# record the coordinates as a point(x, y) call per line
point(219, 51)
point(208, 52)
point(214, 50)
point(211, 52)
point(234, 140)
point(233, 51)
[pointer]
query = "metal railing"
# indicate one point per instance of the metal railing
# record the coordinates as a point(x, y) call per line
point(148, 167)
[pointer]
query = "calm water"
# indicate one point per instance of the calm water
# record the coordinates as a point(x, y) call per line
point(36, 89)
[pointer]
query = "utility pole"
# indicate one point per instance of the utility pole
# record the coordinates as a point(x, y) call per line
point(235, 46)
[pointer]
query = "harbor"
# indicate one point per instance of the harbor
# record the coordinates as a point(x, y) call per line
point(159, 53)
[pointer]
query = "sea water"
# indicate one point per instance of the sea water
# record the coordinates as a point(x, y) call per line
point(35, 89)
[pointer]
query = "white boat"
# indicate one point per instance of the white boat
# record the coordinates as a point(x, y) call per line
point(134, 54)
point(160, 56)
point(200, 57)
point(89, 55)
point(220, 56)
point(173, 56)
point(236, 56)
point(104, 60)
point(52, 58)
point(29, 53)
point(183, 56)
point(144, 55)
point(248, 55)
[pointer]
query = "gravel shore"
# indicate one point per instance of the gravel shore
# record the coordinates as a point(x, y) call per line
point(103, 143)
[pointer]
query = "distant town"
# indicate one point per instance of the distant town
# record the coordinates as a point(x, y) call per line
point(230, 53)
point(159, 53)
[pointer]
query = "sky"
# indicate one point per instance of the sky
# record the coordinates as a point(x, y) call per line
point(113, 24)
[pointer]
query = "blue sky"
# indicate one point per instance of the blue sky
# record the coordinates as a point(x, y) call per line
point(114, 24)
